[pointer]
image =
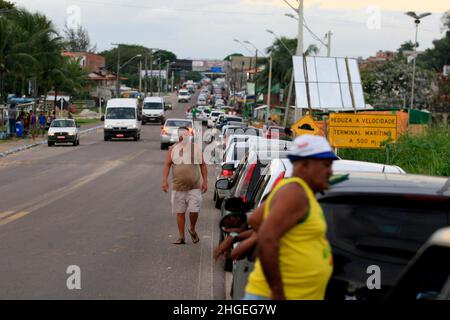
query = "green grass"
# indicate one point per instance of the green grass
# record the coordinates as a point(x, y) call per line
point(427, 154)
point(83, 122)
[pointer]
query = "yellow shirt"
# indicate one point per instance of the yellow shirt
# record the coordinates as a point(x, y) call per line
point(305, 258)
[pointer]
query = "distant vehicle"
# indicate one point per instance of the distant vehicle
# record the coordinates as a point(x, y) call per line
point(213, 118)
point(224, 119)
point(184, 96)
point(153, 110)
point(122, 119)
point(169, 132)
point(63, 131)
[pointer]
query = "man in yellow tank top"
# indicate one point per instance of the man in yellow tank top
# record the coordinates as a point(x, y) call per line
point(294, 256)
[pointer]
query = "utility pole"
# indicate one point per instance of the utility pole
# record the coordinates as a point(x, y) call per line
point(167, 77)
point(140, 76)
point(173, 80)
point(269, 91)
point(159, 80)
point(118, 72)
point(146, 75)
point(151, 73)
point(300, 28)
point(328, 36)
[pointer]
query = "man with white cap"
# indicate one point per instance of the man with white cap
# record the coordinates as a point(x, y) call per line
point(294, 256)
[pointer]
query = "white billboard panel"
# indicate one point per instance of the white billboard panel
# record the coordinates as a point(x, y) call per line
point(328, 83)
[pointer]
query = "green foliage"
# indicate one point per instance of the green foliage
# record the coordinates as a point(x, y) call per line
point(6, 5)
point(130, 70)
point(389, 84)
point(194, 76)
point(427, 154)
point(228, 58)
point(77, 40)
point(438, 56)
point(30, 50)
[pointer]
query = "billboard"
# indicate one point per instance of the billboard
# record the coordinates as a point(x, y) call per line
point(328, 83)
point(154, 74)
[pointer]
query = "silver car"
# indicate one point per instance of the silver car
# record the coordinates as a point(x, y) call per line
point(169, 131)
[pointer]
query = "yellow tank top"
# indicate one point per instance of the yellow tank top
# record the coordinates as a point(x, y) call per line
point(306, 262)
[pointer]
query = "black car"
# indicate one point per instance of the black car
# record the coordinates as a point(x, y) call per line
point(377, 220)
point(380, 220)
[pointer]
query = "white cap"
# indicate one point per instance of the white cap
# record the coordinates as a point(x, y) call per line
point(311, 147)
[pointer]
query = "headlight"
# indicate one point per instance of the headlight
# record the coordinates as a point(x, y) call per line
point(51, 134)
point(108, 126)
point(133, 126)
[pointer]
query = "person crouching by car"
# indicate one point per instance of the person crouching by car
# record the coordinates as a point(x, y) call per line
point(294, 256)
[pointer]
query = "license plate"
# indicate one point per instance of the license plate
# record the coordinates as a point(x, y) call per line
point(61, 137)
point(152, 118)
point(120, 135)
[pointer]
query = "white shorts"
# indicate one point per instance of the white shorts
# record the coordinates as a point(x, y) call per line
point(186, 201)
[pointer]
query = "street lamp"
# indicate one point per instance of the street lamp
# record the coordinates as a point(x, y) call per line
point(417, 19)
point(269, 90)
point(291, 84)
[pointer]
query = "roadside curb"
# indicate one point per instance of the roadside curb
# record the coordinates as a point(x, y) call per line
point(23, 148)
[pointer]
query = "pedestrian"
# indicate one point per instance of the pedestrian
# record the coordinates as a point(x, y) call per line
point(12, 114)
point(188, 170)
point(33, 124)
point(42, 122)
point(294, 256)
point(194, 113)
point(25, 123)
point(288, 135)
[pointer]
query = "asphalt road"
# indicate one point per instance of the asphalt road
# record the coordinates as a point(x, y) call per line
point(100, 207)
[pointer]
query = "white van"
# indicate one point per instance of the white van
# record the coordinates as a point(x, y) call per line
point(122, 119)
point(153, 110)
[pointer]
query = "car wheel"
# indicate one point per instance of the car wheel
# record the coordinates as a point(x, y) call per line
point(143, 123)
point(78, 142)
point(106, 138)
point(136, 138)
point(50, 144)
point(163, 146)
point(75, 143)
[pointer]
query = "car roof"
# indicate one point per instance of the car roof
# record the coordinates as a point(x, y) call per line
point(393, 184)
point(153, 99)
point(122, 103)
point(174, 119)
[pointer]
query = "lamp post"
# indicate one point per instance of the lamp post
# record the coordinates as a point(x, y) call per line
point(417, 19)
point(120, 67)
point(269, 90)
point(291, 83)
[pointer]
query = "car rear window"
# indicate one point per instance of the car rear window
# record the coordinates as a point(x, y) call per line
point(178, 123)
point(382, 227)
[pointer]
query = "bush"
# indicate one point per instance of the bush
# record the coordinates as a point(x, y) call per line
point(427, 154)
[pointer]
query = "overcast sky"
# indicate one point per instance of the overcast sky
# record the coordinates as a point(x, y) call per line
point(206, 28)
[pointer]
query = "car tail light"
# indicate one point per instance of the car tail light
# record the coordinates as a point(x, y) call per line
point(279, 178)
point(244, 198)
point(227, 173)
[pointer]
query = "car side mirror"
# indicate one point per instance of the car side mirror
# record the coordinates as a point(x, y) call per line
point(102, 118)
point(223, 184)
point(229, 166)
point(236, 205)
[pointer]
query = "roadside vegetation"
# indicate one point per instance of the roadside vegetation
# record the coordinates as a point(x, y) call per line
point(427, 154)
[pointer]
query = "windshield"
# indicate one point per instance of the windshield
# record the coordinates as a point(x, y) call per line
point(228, 119)
point(153, 106)
point(183, 93)
point(120, 113)
point(215, 114)
point(178, 123)
point(63, 124)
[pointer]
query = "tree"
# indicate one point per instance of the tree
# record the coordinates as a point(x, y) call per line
point(389, 84)
point(130, 71)
point(77, 40)
point(407, 46)
point(438, 56)
point(6, 5)
point(194, 76)
point(229, 57)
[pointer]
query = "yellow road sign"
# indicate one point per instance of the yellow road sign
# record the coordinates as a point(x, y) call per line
point(305, 125)
point(361, 130)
